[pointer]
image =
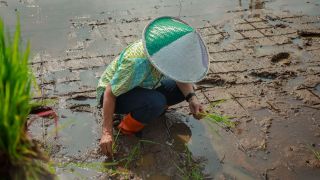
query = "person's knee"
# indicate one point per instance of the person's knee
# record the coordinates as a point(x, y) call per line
point(154, 105)
point(157, 103)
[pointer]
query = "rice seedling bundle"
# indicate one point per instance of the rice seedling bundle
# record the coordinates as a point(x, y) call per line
point(15, 84)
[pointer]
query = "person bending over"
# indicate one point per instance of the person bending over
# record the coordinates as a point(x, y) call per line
point(150, 75)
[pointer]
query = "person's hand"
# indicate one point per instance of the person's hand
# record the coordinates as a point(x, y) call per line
point(106, 143)
point(196, 108)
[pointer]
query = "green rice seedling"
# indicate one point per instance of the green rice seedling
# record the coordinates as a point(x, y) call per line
point(148, 142)
point(96, 166)
point(195, 170)
point(14, 95)
point(191, 169)
point(16, 150)
point(224, 121)
point(214, 117)
point(42, 103)
point(100, 167)
point(134, 153)
point(115, 145)
point(316, 153)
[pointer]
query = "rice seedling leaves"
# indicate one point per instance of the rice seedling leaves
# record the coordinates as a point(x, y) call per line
point(216, 118)
point(191, 169)
point(14, 94)
point(15, 97)
point(315, 152)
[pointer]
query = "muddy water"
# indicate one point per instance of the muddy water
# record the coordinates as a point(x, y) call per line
point(47, 23)
point(73, 40)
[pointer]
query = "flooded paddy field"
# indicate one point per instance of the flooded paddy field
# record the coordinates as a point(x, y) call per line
point(265, 65)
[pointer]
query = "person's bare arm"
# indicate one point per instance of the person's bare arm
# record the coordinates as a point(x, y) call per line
point(194, 105)
point(109, 101)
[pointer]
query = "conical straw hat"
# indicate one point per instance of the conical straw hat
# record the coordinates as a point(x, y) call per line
point(176, 49)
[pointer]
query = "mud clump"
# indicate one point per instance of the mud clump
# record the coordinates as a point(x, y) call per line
point(281, 25)
point(81, 108)
point(271, 18)
point(273, 75)
point(279, 57)
point(264, 74)
point(130, 20)
point(215, 80)
point(287, 74)
point(265, 125)
point(315, 163)
point(309, 33)
point(81, 98)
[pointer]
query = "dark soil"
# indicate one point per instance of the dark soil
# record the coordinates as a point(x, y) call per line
point(264, 74)
point(279, 57)
point(308, 33)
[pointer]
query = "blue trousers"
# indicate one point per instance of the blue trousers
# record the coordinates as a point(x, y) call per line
point(146, 105)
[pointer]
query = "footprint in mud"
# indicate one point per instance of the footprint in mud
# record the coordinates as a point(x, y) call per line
point(279, 57)
point(81, 98)
point(81, 103)
point(213, 80)
point(280, 25)
point(264, 75)
point(3, 4)
point(308, 33)
point(81, 108)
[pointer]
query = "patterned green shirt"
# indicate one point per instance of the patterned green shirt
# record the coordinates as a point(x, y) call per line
point(129, 70)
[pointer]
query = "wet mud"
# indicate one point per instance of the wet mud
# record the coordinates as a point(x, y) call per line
point(264, 64)
point(279, 57)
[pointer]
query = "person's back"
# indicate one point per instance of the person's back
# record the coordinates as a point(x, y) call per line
point(130, 69)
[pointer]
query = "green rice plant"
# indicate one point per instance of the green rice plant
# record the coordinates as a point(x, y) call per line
point(115, 145)
point(148, 141)
point(14, 95)
point(16, 150)
point(96, 166)
point(43, 102)
point(191, 169)
point(109, 168)
point(314, 151)
point(316, 154)
point(221, 120)
point(214, 117)
point(135, 152)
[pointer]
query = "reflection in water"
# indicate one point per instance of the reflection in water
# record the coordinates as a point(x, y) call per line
point(256, 4)
point(253, 5)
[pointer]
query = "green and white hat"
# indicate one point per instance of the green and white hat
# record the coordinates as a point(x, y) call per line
point(176, 49)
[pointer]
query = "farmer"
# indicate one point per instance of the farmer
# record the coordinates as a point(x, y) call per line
point(150, 75)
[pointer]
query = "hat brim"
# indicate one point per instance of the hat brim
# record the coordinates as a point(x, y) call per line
point(184, 60)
